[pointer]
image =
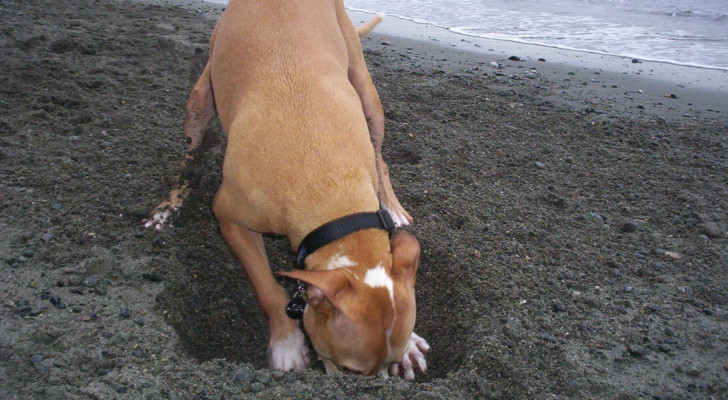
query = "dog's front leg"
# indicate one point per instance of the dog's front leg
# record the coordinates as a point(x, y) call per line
point(287, 347)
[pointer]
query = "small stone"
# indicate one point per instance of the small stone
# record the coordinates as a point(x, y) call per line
point(37, 358)
point(514, 58)
point(91, 281)
point(257, 387)
point(124, 313)
point(654, 308)
point(427, 396)
point(597, 217)
point(672, 255)
point(673, 96)
point(542, 59)
point(85, 318)
point(121, 389)
point(277, 374)
point(558, 307)
point(56, 301)
point(712, 230)
point(725, 367)
point(636, 61)
point(495, 65)
point(664, 348)
point(242, 375)
point(139, 353)
point(694, 370)
point(708, 311)
point(385, 43)
point(539, 165)
point(152, 277)
point(629, 227)
point(47, 237)
point(637, 350)
point(262, 377)
point(23, 310)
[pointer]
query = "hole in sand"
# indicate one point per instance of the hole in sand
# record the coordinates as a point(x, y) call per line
point(210, 304)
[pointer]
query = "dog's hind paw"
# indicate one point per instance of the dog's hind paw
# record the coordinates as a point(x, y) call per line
point(399, 216)
point(289, 353)
point(161, 219)
point(413, 359)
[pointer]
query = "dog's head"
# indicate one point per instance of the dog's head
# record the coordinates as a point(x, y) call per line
point(361, 319)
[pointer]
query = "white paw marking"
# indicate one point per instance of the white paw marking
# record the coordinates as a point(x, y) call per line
point(377, 277)
point(399, 219)
point(413, 358)
point(159, 220)
point(289, 353)
point(340, 261)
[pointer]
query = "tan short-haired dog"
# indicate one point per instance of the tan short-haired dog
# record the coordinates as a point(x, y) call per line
point(305, 127)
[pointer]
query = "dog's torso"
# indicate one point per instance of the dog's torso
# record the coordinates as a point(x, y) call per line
point(293, 115)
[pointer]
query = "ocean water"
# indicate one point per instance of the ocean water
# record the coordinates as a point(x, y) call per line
point(687, 32)
point(684, 32)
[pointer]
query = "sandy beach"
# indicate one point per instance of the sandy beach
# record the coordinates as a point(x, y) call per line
point(572, 214)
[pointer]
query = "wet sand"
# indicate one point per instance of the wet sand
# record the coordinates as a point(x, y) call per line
point(573, 233)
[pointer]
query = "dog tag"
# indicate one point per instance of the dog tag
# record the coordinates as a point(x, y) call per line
point(295, 306)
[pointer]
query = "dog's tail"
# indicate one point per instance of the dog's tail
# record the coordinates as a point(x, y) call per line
point(366, 28)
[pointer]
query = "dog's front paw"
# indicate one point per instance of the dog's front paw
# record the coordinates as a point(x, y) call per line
point(289, 353)
point(414, 359)
point(161, 218)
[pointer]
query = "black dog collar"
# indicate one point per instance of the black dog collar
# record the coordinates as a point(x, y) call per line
point(328, 233)
point(341, 227)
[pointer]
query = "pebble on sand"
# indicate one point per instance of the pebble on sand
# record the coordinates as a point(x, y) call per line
point(672, 255)
point(712, 230)
point(637, 350)
point(629, 226)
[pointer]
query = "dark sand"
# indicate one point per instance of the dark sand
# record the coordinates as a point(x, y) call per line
point(522, 186)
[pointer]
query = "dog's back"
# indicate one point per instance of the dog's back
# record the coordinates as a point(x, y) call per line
point(292, 100)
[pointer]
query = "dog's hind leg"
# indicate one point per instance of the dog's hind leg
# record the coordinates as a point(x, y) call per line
point(200, 111)
point(372, 106)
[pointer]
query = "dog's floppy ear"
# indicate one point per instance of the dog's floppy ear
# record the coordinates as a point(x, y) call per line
point(405, 257)
point(325, 285)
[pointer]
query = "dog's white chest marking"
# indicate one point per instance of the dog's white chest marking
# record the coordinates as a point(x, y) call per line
point(340, 261)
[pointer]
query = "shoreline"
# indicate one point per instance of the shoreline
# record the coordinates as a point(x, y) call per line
point(584, 80)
